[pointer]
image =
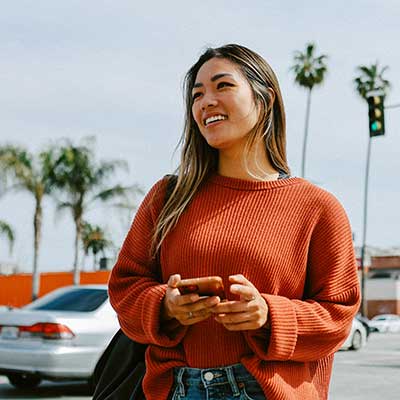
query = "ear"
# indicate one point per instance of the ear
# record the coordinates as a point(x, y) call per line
point(271, 96)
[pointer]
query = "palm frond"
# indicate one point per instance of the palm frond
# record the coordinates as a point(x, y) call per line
point(8, 232)
point(369, 79)
point(106, 169)
point(17, 164)
point(64, 205)
point(309, 70)
point(117, 191)
point(94, 239)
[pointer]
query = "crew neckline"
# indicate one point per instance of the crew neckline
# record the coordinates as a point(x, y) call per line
point(244, 184)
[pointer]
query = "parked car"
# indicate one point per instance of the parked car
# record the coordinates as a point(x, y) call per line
point(59, 336)
point(386, 322)
point(367, 323)
point(357, 337)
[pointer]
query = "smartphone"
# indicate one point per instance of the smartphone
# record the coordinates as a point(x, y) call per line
point(205, 286)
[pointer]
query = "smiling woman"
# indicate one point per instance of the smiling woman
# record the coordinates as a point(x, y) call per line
point(280, 246)
point(223, 106)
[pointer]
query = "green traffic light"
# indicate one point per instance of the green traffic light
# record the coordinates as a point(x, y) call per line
point(376, 115)
point(375, 126)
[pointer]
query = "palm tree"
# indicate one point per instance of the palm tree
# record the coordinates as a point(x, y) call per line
point(81, 181)
point(22, 170)
point(309, 71)
point(370, 79)
point(7, 231)
point(94, 241)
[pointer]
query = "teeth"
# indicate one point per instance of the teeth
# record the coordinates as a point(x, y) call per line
point(214, 118)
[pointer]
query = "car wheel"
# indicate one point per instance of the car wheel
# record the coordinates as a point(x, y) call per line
point(356, 341)
point(24, 381)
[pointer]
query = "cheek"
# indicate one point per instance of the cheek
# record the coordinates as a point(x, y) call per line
point(242, 106)
point(249, 110)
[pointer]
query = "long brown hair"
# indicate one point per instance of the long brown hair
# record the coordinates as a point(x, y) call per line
point(198, 158)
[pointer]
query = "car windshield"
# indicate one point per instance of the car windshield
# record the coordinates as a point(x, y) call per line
point(85, 300)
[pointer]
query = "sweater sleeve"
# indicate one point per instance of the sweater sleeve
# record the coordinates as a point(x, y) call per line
point(134, 288)
point(317, 325)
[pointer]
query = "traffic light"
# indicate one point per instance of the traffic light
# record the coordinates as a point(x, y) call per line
point(376, 116)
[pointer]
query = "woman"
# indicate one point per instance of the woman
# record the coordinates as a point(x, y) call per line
point(282, 246)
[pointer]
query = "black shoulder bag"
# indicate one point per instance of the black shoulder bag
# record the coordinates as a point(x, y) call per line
point(120, 370)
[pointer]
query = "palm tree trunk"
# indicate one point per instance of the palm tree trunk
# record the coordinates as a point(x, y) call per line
point(37, 225)
point(78, 233)
point(303, 160)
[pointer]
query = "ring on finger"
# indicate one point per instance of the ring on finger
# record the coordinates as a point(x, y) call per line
point(190, 315)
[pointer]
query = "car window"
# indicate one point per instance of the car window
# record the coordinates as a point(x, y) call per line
point(85, 300)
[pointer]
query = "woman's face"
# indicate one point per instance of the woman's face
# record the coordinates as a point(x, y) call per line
point(223, 105)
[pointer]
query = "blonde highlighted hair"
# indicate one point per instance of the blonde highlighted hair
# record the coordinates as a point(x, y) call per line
point(198, 159)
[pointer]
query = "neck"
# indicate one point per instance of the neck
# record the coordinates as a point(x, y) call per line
point(254, 166)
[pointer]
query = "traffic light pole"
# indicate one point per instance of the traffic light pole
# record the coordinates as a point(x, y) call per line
point(393, 106)
point(364, 305)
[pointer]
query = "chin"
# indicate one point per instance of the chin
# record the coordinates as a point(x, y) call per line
point(217, 145)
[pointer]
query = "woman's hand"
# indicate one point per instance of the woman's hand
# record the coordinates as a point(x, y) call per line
point(188, 309)
point(250, 312)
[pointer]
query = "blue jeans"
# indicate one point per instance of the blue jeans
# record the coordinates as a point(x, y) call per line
point(233, 382)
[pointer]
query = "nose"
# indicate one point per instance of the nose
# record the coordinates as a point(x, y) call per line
point(208, 101)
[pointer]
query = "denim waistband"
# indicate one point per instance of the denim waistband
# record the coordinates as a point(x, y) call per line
point(232, 375)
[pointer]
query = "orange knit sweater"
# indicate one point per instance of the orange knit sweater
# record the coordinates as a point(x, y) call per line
point(291, 239)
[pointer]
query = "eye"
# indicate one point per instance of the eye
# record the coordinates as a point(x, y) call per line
point(195, 95)
point(223, 84)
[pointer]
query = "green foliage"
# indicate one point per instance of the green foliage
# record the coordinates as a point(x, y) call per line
point(7, 231)
point(80, 180)
point(309, 69)
point(94, 239)
point(73, 176)
point(371, 79)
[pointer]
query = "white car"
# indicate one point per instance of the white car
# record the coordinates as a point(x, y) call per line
point(59, 336)
point(386, 322)
point(357, 337)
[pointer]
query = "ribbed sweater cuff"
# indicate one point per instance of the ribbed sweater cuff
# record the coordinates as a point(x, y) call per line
point(283, 332)
point(171, 333)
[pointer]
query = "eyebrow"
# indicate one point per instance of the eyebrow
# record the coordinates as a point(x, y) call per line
point(213, 79)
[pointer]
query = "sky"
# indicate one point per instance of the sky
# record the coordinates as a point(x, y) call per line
point(114, 70)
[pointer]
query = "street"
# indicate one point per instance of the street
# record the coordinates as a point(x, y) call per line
point(367, 374)
point(370, 373)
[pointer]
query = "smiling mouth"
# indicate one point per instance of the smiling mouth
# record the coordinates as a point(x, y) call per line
point(214, 119)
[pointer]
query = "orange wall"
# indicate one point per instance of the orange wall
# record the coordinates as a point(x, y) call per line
point(16, 290)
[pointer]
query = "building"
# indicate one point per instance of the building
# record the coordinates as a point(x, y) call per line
point(383, 280)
